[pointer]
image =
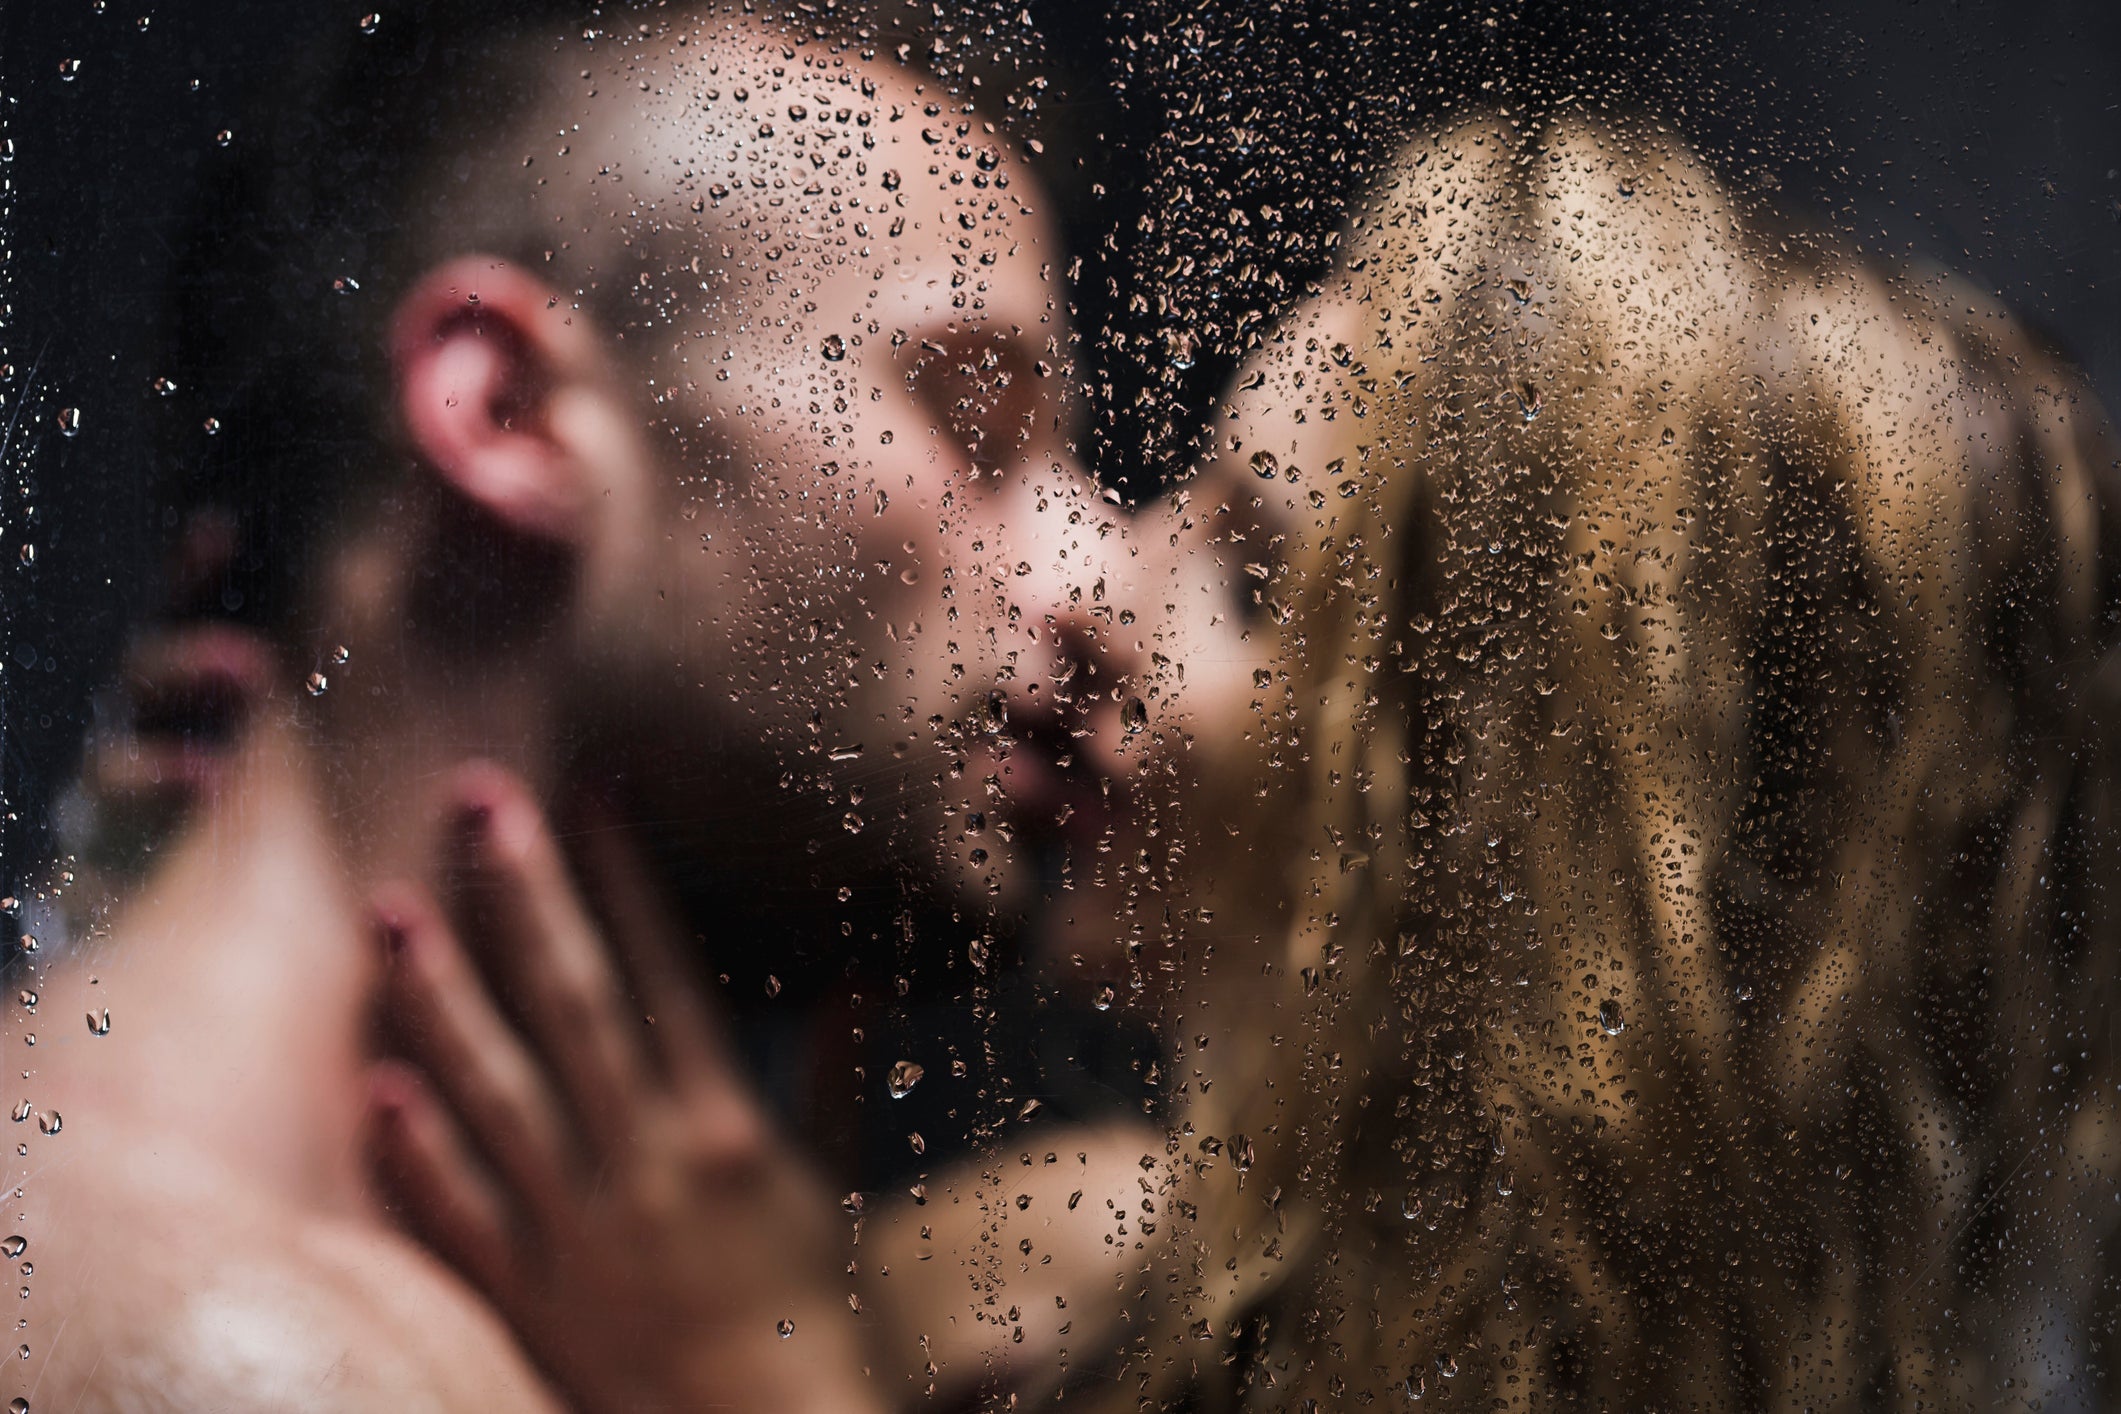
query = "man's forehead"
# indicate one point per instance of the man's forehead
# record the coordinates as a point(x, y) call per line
point(741, 123)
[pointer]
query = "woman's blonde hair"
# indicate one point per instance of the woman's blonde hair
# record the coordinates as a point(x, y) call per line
point(1705, 973)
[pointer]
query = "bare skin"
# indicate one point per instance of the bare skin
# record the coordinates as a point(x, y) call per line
point(201, 1216)
point(203, 1223)
point(599, 1172)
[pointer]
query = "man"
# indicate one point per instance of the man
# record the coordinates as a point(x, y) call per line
point(713, 464)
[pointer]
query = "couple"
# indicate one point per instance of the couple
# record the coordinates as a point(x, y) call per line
point(1596, 776)
point(666, 579)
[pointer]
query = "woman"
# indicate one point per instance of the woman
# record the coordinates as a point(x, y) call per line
point(1699, 983)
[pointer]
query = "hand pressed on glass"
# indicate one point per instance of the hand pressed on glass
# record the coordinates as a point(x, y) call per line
point(605, 1179)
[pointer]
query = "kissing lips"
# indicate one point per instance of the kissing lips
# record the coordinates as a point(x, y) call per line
point(1044, 768)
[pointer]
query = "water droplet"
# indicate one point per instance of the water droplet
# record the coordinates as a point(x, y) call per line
point(341, 654)
point(99, 1022)
point(345, 285)
point(1610, 1020)
point(854, 1203)
point(833, 347)
point(68, 69)
point(1262, 679)
point(785, 1326)
point(14, 1246)
point(905, 1075)
point(1241, 1152)
point(773, 985)
point(916, 1143)
point(27, 555)
point(164, 386)
point(316, 684)
point(1133, 715)
point(70, 421)
point(1103, 1000)
point(18, 1405)
point(212, 425)
point(21, 1111)
point(991, 714)
point(223, 138)
point(48, 1121)
point(891, 180)
point(1265, 465)
point(369, 22)
point(844, 753)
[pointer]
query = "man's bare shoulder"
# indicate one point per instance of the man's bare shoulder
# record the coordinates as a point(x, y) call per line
point(148, 1299)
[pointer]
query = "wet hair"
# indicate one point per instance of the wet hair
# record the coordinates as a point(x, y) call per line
point(1705, 994)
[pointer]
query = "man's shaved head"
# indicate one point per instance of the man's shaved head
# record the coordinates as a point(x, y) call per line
point(649, 169)
point(793, 317)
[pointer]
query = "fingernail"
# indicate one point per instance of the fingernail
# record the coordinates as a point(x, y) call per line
point(390, 930)
point(387, 1092)
point(389, 1109)
point(476, 818)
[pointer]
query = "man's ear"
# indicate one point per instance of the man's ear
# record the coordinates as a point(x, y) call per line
point(480, 350)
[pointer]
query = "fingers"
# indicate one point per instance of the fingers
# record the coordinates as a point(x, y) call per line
point(650, 944)
point(443, 1019)
point(430, 1176)
point(546, 956)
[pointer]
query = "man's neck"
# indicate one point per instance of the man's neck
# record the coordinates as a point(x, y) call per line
point(236, 979)
point(240, 975)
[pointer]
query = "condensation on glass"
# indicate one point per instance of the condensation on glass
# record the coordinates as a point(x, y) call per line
point(869, 707)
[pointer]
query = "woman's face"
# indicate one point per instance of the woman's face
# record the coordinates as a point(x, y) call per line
point(1200, 856)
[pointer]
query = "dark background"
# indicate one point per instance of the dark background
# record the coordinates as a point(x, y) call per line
point(1985, 136)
